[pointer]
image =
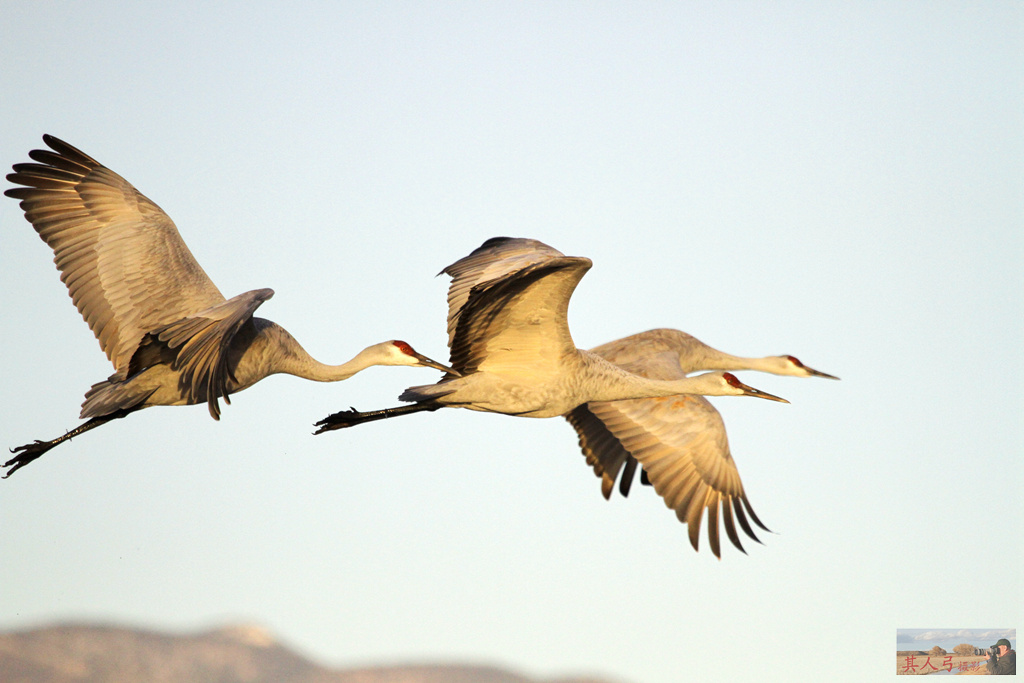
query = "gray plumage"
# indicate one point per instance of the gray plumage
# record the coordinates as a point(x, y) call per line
point(510, 339)
point(510, 343)
point(680, 442)
point(171, 335)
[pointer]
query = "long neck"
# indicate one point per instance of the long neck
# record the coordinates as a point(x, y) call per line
point(713, 359)
point(305, 366)
point(612, 383)
point(273, 350)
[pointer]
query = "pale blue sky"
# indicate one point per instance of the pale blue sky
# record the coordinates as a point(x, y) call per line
point(837, 181)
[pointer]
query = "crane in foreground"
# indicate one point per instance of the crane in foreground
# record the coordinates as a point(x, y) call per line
point(513, 354)
point(171, 335)
point(682, 441)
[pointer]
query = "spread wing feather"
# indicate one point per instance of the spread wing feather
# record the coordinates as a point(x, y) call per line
point(512, 313)
point(120, 256)
point(520, 321)
point(494, 260)
point(680, 441)
point(202, 342)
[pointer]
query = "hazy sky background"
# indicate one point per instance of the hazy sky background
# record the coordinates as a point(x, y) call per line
point(837, 181)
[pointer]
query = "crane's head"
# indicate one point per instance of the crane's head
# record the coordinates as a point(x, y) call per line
point(397, 352)
point(791, 366)
point(738, 388)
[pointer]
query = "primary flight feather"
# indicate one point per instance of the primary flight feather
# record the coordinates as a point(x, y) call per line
point(171, 335)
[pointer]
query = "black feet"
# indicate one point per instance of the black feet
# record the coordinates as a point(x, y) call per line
point(339, 420)
point(26, 454)
point(352, 417)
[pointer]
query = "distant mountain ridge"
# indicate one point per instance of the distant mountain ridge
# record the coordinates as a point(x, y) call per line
point(85, 653)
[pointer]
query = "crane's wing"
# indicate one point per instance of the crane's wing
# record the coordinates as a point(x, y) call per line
point(681, 443)
point(197, 346)
point(519, 321)
point(201, 342)
point(124, 263)
point(680, 440)
point(604, 452)
point(495, 259)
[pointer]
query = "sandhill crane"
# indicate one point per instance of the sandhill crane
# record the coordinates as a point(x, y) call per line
point(682, 442)
point(511, 346)
point(170, 333)
point(678, 354)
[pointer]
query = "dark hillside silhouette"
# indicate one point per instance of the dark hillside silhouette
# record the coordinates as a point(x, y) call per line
point(80, 653)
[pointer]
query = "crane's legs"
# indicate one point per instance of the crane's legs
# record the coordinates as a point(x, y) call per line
point(352, 417)
point(29, 452)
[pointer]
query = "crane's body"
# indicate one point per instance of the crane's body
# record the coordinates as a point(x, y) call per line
point(663, 354)
point(258, 349)
point(577, 378)
point(171, 335)
point(511, 347)
point(681, 443)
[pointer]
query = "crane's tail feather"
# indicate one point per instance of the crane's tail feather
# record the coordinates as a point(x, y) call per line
point(426, 392)
point(112, 395)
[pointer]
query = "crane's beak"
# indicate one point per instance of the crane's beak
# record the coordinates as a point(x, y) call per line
point(757, 393)
point(819, 373)
point(431, 363)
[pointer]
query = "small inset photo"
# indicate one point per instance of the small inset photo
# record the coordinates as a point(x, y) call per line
point(956, 651)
